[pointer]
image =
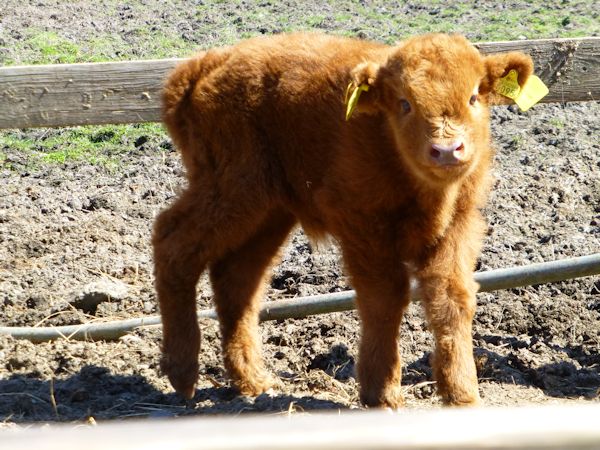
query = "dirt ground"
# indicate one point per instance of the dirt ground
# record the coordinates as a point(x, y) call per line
point(75, 228)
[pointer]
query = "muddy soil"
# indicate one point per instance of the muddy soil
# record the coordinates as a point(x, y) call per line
point(75, 228)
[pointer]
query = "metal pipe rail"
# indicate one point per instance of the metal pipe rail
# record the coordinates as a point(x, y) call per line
point(492, 280)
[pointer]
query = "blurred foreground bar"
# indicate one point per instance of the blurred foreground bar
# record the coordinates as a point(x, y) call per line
point(541, 427)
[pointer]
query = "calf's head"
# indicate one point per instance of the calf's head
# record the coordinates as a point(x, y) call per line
point(434, 91)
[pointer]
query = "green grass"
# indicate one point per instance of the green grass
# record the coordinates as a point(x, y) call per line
point(557, 122)
point(315, 21)
point(50, 48)
point(220, 22)
point(158, 45)
point(100, 145)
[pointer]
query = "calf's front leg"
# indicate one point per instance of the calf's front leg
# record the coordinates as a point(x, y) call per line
point(448, 295)
point(450, 306)
point(382, 294)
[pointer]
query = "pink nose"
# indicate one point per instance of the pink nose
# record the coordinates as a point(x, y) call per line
point(447, 154)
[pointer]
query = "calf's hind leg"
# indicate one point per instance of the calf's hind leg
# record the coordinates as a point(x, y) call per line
point(238, 280)
point(187, 236)
point(179, 260)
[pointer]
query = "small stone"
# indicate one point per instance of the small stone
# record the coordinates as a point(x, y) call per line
point(130, 339)
point(98, 292)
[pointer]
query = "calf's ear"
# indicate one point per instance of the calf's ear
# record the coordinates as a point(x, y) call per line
point(367, 77)
point(498, 66)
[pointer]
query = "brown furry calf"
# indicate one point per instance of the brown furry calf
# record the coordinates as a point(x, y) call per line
point(262, 134)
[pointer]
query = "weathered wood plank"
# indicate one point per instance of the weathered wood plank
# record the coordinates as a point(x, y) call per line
point(81, 94)
point(129, 92)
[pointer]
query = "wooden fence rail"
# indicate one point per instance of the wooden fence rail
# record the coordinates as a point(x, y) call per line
point(129, 91)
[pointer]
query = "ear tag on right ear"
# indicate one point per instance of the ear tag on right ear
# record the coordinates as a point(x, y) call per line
point(353, 100)
point(509, 85)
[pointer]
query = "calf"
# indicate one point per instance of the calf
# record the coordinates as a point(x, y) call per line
point(262, 132)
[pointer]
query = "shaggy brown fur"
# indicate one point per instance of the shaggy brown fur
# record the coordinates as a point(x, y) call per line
point(262, 134)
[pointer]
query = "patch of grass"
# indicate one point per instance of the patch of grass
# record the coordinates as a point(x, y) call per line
point(424, 23)
point(536, 21)
point(43, 47)
point(342, 17)
point(158, 45)
point(100, 145)
point(14, 141)
point(104, 48)
point(315, 21)
point(223, 22)
point(517, 141)
point(50, 48)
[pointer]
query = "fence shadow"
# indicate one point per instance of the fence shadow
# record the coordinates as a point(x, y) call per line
point(95, 392)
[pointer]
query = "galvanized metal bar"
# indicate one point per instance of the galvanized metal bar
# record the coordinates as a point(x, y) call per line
point(492, 280)
point(546, 272)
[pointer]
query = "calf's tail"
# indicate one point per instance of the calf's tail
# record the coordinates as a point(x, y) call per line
point(181, 81)
point(179, 84)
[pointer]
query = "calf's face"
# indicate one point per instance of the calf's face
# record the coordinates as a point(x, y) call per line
point(435, 91)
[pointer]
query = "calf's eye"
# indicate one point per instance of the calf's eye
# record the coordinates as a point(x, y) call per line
point(405, 106)
point(473, 99)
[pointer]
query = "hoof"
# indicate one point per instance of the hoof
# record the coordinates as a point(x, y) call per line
point(183, 376)
point(254, 386)
point(463, 401)
point(392, 398)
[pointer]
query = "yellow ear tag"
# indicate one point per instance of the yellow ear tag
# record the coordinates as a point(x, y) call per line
point(532, 92)
point(353, 100)
point(509, 85)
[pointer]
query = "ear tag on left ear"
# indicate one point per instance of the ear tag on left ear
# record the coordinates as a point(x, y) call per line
point(509, 85)
point(353, 100)
point(525, 97)
point(532, 92)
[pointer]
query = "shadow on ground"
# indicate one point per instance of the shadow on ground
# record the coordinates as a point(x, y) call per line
point(578, 377)
point(95, 392)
